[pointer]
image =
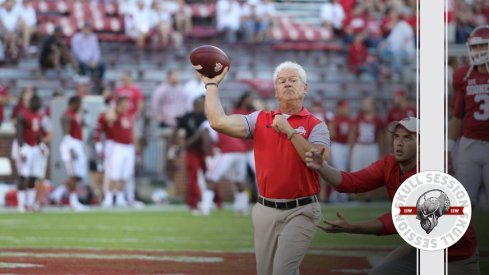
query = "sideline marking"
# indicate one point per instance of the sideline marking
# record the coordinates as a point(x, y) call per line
point(178, 259)
point(18, 265)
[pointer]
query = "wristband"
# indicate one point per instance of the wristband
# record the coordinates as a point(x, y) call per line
point(211, 83)
point(450, 145)
point(291, 133)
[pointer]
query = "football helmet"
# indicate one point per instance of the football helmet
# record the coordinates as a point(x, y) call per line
point(478, 36)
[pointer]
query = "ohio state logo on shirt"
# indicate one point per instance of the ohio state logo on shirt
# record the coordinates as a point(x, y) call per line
point(301, 130)
point(431, 210)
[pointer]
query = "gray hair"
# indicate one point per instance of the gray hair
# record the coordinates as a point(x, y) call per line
point(289, 65)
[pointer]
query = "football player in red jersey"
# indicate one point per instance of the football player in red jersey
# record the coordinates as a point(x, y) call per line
point(72, 152)
point(123, 152)
point(470, 120)
point(31, 148)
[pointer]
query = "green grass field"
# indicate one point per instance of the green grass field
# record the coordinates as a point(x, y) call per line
point(156, 229)
point(175, 229)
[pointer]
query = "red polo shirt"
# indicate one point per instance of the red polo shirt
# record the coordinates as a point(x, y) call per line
point(386, 172)
point(280, 171)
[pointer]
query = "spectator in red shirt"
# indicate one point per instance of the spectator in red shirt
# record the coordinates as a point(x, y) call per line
point(359, 60)
point(373, 29)
point(390, 172)
point(347, 6)
point(354, 24)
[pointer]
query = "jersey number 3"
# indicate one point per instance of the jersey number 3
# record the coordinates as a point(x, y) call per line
point(483, 114)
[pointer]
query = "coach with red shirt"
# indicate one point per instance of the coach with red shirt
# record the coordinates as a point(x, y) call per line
point(287, 211)
point(390, 172)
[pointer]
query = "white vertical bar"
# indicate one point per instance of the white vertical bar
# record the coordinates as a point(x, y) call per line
point(431, 103)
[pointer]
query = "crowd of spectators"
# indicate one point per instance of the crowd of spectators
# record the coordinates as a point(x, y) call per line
point(380, 35)
point(17, 25)
point(463, 16)
point(247, 21)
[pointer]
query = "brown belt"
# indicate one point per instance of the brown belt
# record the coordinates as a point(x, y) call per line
point(287, 204)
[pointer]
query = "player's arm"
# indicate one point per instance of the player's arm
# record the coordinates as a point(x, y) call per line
point(48, 130)
point(232, 125)
point(454, 131)
point(110, 116)
point(207, 143)
point(315, 161)
point(135, 139)
point(343, 225)
point(364, 180)
point(139, 107)
point(318, 139)
point(65, 125)
point(332, 129)
point(194, 138)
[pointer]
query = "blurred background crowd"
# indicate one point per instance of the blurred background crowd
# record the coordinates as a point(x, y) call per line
point(359, 56)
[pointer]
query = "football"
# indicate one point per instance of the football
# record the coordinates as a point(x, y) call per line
point(209, 60)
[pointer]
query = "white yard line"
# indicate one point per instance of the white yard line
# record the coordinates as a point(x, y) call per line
point(95, 256)
point(19, 265)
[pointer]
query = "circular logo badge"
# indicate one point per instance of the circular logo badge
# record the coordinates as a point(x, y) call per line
point(431, 210)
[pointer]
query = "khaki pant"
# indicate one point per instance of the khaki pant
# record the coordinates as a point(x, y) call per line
point(282, 237)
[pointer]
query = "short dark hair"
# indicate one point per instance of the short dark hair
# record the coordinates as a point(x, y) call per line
point(74, 100)
point(35, 104)
point(120, 99)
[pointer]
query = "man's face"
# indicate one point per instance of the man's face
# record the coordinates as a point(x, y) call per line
point(86, 30)
point(35, 104)
point(289, 86)
point(479, 48)
point(123, 106)
point(398, 100)
point(127, 79)
point(9, 5)
point(173, 78)
point(404, 145)
point(76, 106)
